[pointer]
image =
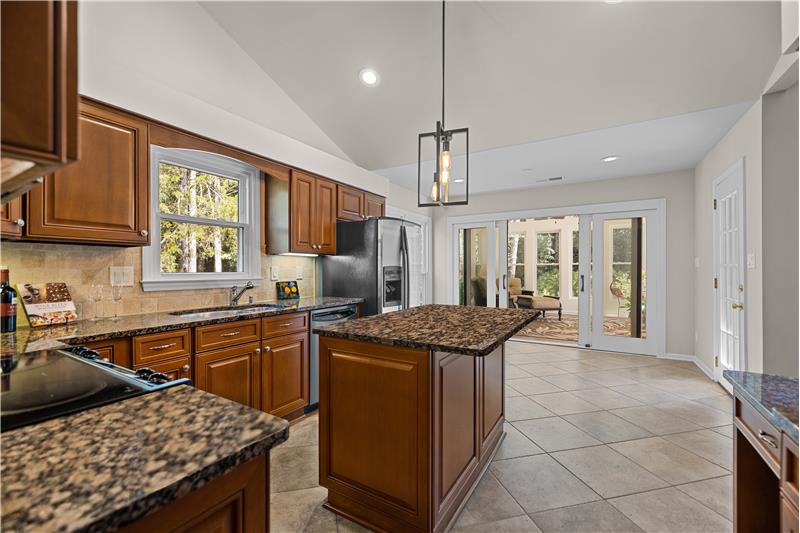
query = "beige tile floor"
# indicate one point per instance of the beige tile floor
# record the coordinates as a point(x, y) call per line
point(595, 442)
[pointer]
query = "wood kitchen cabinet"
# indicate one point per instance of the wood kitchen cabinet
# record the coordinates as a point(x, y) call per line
point(39, 90)
point(354, 204)
point(285, 374)
point(233, 373)
point(11, 221)
point(300, 213)
point(375, 206)
point(104, 198)
point(313, 214)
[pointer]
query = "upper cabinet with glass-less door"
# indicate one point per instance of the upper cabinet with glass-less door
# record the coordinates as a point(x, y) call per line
point(103, 198)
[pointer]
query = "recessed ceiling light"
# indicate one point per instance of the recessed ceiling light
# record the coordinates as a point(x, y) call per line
point(369, 77)
point(610, 158)
point(613, 1)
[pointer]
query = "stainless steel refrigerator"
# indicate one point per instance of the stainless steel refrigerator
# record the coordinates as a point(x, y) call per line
point(379, 259)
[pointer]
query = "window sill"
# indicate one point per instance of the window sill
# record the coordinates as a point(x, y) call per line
point(189, 284)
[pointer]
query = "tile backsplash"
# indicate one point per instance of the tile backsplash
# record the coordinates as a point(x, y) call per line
point(80, 266)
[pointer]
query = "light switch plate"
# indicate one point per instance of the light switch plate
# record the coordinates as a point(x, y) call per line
point(121, 276)
point(273, 273)
point(751, 261)
point(299, 275)
point(697, 262)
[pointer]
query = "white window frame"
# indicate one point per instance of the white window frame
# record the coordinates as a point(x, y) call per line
point(537, 264)
point(249, 251)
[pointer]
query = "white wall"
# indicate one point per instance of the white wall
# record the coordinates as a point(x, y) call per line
point(742, 141)
point(172, 62)
point(676, 187)
point(780, 235)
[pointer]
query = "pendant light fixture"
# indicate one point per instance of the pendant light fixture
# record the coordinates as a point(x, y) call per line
point(443, 181)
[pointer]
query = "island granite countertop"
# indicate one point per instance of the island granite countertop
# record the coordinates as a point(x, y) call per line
point(775, 397)
point(107, 467)
point(26, 340)
point(445, 328)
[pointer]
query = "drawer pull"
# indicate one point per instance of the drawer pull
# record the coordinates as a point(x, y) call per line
point(163, 346)
point(286, 325)
point(231, 334)
point(768, 439)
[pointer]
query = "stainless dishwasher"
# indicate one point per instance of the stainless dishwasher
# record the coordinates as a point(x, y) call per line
point(323, 317)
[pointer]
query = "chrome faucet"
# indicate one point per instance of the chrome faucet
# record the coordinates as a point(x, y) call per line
point(236, 295)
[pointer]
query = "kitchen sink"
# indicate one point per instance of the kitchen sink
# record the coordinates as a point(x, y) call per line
point(226, 312)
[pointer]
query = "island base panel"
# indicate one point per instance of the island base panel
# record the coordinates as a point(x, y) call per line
point(236, 502)
point(405, 433)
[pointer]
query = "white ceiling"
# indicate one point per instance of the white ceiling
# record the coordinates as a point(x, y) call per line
point(648, 147)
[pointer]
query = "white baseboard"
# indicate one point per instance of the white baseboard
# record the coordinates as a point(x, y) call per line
point(694, 359)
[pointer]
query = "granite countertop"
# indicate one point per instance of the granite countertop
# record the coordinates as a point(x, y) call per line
point(32, 339)
point(444, 328)
point(106, 467)
point(775, 397)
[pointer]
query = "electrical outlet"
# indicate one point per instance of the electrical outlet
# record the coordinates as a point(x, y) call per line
point(273, 273)
point(121, 276)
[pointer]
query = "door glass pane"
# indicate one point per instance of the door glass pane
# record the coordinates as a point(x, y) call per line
point(548, 278)
point(624, 268)
point(472, 266)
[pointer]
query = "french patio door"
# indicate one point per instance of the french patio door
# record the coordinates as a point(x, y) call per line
point(480, 263)
point(617, 265)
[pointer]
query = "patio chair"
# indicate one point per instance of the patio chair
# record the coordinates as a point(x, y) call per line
point(521, 298)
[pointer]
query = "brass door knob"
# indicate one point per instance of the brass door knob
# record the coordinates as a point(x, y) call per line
point(737, 306)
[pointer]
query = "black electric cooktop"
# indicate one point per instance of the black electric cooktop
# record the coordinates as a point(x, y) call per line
point(47, 384)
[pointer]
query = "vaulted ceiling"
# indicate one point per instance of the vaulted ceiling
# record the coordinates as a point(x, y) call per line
point(517, 72)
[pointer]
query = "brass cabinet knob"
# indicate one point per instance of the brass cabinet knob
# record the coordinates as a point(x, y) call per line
point(19, 222)
point(267, 349)
point(185, 368)
point(143, 233)
point(258, 350)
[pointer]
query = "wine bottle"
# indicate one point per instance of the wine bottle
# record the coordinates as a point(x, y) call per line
point(8, 303)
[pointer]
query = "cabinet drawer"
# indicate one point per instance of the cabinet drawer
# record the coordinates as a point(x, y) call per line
point(221, 335)
point(283, 324)
point(149, 349)
point(761, 434)
point(118, 351)
point(174, 368)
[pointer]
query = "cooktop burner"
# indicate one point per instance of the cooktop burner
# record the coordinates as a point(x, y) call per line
point(47, 384)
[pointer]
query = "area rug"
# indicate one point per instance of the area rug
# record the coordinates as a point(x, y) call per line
point(566, 329)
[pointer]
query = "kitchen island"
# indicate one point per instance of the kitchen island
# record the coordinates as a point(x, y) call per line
point(170, 460)
point(411, 411)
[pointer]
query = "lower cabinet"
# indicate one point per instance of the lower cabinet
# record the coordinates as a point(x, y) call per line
point(233, 373)
point(231, 503)
point(285, 374)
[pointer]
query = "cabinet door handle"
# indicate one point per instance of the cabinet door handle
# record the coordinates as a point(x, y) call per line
point(185, 368)
point(19, 222)
point(267, 349)
point(143, 233)
point(258, 350)
point(768, 439)
point(231, 334)
point(163, 346)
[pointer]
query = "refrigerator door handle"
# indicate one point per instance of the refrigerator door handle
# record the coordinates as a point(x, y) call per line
point(406, 276)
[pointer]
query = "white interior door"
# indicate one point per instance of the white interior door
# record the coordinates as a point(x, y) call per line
point(623, 309)
point(729, 268)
